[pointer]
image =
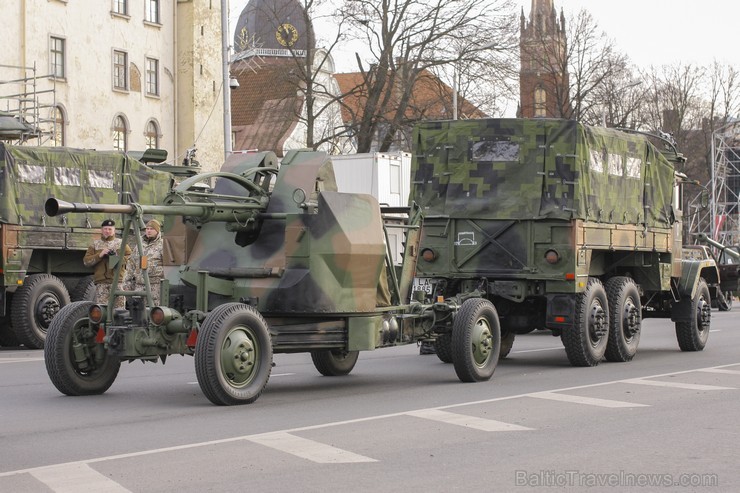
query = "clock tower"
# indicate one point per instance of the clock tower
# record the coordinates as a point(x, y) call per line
point(543, 75)
point(274, 27)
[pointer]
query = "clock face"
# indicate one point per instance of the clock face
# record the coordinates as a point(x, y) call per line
point(286, 34)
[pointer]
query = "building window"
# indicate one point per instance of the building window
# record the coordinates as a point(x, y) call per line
point(120, 70)
point(151, 136)
point(540, 103)
point(120, 7)
point(152, 11)
point(56, 57)
point(120, 131)
point(57, 130)
point(152, 77)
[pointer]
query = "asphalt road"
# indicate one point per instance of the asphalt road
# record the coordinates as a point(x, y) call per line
point(401, 422)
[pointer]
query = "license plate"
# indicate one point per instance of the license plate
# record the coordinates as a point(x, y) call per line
point(423, 284)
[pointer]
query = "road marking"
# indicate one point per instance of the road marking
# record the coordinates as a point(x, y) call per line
point(308, 449)
point(19, 360)
point(577, 399)
point(676, 385)
point(466, 421)
point(538, 350)
point(332, 424)
point(720, 370)
point(75, 477)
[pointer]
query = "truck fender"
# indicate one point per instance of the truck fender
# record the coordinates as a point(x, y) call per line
point(692, 271)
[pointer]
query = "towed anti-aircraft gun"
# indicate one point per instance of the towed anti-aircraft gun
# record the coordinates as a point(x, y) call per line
point(282, 262)
point(728, 263)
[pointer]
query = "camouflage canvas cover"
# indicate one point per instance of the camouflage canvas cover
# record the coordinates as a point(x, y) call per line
point(30, 175)
point(539, 169)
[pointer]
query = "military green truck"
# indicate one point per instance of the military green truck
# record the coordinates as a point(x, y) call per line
point(562, 226)
point(42, 256)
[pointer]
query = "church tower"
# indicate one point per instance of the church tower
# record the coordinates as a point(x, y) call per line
point(543, 75)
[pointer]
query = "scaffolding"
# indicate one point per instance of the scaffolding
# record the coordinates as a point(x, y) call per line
point(721, 219)
point(27, 112)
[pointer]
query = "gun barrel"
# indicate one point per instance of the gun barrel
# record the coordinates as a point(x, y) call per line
point(208, 211)
point(729, 251)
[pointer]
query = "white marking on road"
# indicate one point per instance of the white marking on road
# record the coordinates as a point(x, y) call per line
point(675, 385)
point(720, 370)
point(75, 477)
point(19, 360)
point(538, 350)
point(577, 399)
point(308, 449)
point(466, 421)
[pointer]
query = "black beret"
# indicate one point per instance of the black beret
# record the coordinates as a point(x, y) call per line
point(108, 222)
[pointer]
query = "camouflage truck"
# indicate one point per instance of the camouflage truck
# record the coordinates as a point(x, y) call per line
point(562, 226)
point(270, 260)
point(42, 266)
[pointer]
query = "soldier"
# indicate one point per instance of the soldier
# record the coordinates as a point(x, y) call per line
point(102, 255)
point(152, 245)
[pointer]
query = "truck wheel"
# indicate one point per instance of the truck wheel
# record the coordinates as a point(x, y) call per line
point(443, 347)
point(84, 290)
point(507, 342)
point(585, 343)
point(34, 305)
point(233, 355)
point(625, 319)
point(692, 333)
point(76, 364)
point(724, 300)
point(476, 340)
point(334, 363)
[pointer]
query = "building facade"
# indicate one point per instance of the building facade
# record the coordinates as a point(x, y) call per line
point(116, 74)
point(543, 75)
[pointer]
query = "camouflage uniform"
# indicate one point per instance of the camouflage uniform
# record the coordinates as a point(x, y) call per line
point(134, 277)
point(103, 272)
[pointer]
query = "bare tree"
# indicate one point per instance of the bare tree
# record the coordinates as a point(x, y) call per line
point(405, 38)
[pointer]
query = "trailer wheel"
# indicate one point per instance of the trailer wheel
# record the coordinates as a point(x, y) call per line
point(233, 355)
point(724, 300)
point(692, 333)
point(443, 347)
point(334, 363)
point(84, 290)
point(76, 364)
point(625, 319)
point(585, 343)
point(34, 306)
point(476, 340)
point(507, 342)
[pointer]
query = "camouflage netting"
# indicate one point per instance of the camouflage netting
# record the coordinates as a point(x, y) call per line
point(30, 175)
point(539, 169)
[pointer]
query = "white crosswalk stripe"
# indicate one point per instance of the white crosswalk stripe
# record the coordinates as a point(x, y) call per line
point(466, 421)
point(76, 477)
point(308, 449)
point(675, 385)
point(723, 371)
point(590, 401)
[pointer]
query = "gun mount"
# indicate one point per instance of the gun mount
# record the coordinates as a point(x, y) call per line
point(277, 261)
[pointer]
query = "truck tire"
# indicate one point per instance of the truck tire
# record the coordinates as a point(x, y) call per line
point(84, 290)
point(692, 333)
point(476, 340)
point(724, 300)
point(625, 319)
point(71, 354)
point(233, 355)
point(443, 347)
point(585, 344)
point(34, 306)
point(333, 363)
point(507, 342)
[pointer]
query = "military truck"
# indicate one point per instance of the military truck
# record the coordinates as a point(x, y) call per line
point(269, 260)
point(42, 266)
point(563, 227)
